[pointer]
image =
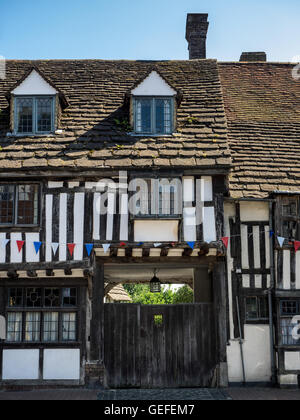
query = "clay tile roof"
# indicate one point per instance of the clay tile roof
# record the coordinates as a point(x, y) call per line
point(262, 104)
point(92, 136)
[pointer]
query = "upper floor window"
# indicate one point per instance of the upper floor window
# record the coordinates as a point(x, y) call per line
point(34, 114)
point(19, 204)
point(153, 115)
point(288, 210)
point(154, 106)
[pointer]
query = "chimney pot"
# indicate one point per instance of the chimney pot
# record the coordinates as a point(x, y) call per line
point(196, 33)
point(254, 56)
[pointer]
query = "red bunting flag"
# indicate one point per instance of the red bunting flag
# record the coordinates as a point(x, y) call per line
point(296, 245)
point(71, 248)
point(225, 241)
point(122, 244)
point(20, 245)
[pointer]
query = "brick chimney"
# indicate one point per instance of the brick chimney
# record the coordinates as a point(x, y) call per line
point(196, 33)
point(253, 56)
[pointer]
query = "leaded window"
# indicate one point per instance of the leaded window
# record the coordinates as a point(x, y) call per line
point(51, 326)
point(289, 322)
point(69, 326)
point(160, 198)
point(257, 308)
point(153, 115)
point(19, 204)
point(41, 314)
point(288, 219)
point(34, 114)
point(14, 327)
point(32, 329)
point(7, 194)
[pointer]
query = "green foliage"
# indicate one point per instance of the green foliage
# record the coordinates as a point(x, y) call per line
point(184, 295)
point(123, 124)
point(140, 293)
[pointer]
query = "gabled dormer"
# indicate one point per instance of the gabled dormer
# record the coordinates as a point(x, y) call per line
point(153, 106)
point(35, 105)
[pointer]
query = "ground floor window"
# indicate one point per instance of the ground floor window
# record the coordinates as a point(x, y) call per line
point(290, 322)
point(53, 319)
point(257, 308)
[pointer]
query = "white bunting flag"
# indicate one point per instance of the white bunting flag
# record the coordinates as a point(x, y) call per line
point(106, 247)
point(55, 246)
point(157, 245)
point(280, 241)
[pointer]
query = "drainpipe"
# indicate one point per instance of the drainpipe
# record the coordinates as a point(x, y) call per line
point(270, 298)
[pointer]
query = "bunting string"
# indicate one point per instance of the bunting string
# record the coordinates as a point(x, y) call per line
point(106, 246)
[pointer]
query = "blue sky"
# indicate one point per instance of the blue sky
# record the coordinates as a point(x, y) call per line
point(146, 29)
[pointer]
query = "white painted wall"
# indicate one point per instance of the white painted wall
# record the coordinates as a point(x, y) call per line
point(153, 85)
point(20, 365)
point(254, 211)
point(257, 356)
point(61, 364)
point(34, 84)
point(155, 231)
point(292, 360)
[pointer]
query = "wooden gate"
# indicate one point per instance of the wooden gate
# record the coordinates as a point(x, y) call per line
point(164, 346)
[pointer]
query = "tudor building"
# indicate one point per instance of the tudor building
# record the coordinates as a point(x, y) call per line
point(212, 146)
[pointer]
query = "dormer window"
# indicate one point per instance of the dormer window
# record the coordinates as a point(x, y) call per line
point(34, 114)
point(153, 103)
point(153, 115)
point(36, 105)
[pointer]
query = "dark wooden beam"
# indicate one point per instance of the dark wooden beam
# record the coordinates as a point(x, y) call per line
point(32, 273)
point(68, 271)
point(97, 321)
point(49, 273)
point(12, 274)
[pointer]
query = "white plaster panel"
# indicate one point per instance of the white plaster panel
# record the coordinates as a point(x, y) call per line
point(34, 84)
point(61, 364)
point(292, 360)
point(153, 85)
point(78, 225)
point(257, 356)
point(20, 364)
point(155, 231)
point(254, 211)
point(286, 270)
point(189, 224)
point(209, 224)
point(31, 255)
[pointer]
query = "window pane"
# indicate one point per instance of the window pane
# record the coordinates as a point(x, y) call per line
point(251, 308)
point(143, 115)
point(263, 308)
point(32, 329)
point(33, 298)
point(52, 298)
point(6, 204)
point(27, 204)
point(15, 297)
point(44, 115)
point(50, 326)
point(289, 307)
point(70, 296)
point(25, 115)
point(14, 327)
point(163, 116)
point(69, 327)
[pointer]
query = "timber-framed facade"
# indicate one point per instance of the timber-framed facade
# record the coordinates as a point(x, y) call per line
point(78, 137)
